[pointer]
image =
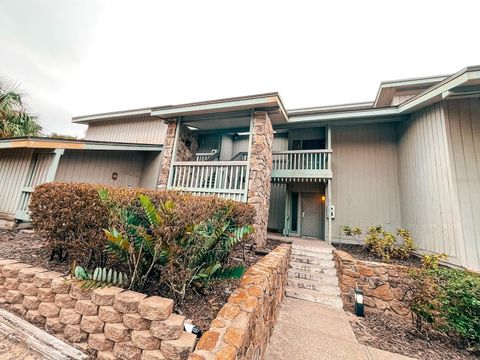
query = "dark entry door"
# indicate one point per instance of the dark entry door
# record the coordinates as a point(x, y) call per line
point(312, 219)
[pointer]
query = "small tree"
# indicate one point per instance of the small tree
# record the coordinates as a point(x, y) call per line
point(15, 120)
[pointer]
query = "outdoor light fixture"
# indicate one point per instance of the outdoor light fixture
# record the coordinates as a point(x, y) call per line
point(359, 303)
point(323, 198)
point(114, 176)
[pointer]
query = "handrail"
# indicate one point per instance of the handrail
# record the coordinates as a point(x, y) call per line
point(209, 163)
point(322, 151)
point(240, 154)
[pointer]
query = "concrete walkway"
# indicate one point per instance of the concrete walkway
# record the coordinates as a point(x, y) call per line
point(308, 330)
point(311, 331)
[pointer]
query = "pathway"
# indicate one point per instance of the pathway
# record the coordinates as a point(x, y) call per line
point(312, 324)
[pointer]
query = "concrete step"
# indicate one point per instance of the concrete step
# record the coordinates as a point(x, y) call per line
point(327, 267)
point(307, 275)
point(314, 296)
point(305, 252)
point(314, 260)
point(320, 287)
point(323, 249)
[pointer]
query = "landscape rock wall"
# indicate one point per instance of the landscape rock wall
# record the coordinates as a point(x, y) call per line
point(243, 326)
point(111, 322)
point(385, 286)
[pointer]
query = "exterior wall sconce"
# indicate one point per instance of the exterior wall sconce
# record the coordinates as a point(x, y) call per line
point(323, 198)
point(114, 176)
point(359, 309)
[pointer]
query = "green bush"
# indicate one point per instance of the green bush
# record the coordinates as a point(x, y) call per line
point(196, 255)
point(448, 300)
point(72, 216)
point(383, 243)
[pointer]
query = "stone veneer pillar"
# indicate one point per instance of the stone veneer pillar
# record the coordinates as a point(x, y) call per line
point(185, 150)
point(167, 154)
point(260, 174)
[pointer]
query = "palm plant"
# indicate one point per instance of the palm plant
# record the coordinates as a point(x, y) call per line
point(15, 120)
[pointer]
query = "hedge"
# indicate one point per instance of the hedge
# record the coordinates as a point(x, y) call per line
point(72, 217)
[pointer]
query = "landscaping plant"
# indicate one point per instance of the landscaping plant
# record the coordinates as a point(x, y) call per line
point(448, 300)
point(72, 216)
point(383, 243)
point(151, 246)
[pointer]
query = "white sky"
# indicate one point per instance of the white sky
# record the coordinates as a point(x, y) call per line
point(82, 57)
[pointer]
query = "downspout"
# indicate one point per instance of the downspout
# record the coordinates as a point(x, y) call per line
point(329, 183)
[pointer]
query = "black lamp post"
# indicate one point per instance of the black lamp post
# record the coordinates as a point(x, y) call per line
point(359, 311)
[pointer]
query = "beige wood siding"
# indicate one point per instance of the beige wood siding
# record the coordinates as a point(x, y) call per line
point(278, 192)
point(365, 188)
point(428, 200)
point(463, 132)
point(145, 130)
point(97, 167)
point(151, 170)
point(14, 165)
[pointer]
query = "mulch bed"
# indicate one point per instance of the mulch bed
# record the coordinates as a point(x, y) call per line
point(200, 308)
point(359, 252)
point(29, 248)
point(398, 335)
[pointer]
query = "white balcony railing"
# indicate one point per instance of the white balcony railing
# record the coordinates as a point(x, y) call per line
point(309, 165)
point(226, 179)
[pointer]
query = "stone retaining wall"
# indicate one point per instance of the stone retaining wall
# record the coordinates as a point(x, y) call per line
point(385, 286)
point(243, 326)
point(112, 322)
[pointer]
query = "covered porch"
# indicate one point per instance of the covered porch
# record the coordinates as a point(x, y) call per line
point(28, 162)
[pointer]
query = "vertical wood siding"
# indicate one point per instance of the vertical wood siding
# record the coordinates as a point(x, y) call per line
point(97, 167)
point(278, 192)
point(462, 118)
point(428, 195)
point(14, 165)
point(365, 188)
point(146, 130)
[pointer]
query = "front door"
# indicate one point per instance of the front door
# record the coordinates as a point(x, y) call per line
point(312, 215)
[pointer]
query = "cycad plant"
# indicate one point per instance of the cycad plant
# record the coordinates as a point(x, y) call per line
point(145, 240)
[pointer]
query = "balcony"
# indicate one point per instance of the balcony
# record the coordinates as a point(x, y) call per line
point(301, 165)
point(226, 179)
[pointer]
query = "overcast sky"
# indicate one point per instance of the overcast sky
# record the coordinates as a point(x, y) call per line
point(82, 57)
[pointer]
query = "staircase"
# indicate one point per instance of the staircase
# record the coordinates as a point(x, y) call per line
point(312, 275)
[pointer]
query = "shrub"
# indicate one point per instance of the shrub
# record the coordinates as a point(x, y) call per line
point(192, 255)
point(448, 300)
point(72, 216)
point(383, 243)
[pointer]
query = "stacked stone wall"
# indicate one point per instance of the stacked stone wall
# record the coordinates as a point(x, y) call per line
point(385, 286)
point(243, 326)
point(110, 322)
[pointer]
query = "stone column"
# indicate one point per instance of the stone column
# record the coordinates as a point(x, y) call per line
point(185, 150)
point(167, 154)
point(260, 174)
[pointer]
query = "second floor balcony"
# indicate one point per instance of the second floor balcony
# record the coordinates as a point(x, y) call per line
point(301, 165)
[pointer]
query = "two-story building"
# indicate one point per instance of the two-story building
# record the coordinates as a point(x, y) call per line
point(410, 158)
